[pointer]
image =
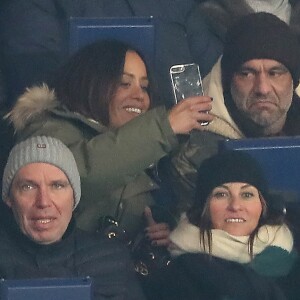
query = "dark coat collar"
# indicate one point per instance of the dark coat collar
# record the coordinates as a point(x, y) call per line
point(220, 14)
point(65, 246)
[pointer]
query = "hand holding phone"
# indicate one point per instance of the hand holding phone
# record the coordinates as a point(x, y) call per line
point(186, 82)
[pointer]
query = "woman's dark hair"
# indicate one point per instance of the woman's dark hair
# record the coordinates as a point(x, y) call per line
point(88, 81)
point(232, 167)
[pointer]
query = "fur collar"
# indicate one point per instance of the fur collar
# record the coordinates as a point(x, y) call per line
point(36, 102)
point(32, 104)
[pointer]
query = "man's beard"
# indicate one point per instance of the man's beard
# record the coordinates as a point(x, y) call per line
point(255, 123)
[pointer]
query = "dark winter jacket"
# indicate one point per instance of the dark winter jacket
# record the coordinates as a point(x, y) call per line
point(201, 277)
point(35, 36)
point(78, 254)
point(220, 14)
point(227, 271)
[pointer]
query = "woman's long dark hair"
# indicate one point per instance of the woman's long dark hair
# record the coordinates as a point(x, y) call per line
point(88, 81)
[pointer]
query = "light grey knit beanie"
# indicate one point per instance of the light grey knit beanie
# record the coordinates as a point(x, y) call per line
point(46, 150)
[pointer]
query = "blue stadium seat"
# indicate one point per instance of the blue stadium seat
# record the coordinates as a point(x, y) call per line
point(46, 289)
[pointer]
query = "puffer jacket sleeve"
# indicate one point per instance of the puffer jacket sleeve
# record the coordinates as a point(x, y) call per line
point(205, 47)
point(108, 263)
point(120, 278)
point(32, 39)
point(184, 164)
point(115, 157)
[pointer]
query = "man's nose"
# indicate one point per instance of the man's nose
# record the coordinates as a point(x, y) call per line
point(262, 84)
point(43, 198)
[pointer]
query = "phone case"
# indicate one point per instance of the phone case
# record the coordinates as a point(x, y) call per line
point(186, 81)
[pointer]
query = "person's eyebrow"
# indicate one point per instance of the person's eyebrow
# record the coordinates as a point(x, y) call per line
point(279, 68)
point(64, 181)
point(24, 179)
point(222, 186)
point(132, 76)
point(20, 181)
point(247, 68)
point(247, 186)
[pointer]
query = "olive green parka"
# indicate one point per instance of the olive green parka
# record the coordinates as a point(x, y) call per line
point(111, 163)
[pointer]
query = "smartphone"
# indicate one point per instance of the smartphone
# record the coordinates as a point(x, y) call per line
point(186, 82)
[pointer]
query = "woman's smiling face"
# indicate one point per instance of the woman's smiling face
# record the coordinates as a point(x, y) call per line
point(235, 207)
point(131, 97)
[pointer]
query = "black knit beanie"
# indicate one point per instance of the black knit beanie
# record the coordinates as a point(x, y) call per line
point(259, 36)
point(230, 166)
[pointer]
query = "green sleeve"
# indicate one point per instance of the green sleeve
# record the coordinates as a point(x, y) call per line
point(274, 262)
point(114, 157)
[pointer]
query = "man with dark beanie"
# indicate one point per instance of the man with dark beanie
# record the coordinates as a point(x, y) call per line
point(253, 90)
point(249, 76)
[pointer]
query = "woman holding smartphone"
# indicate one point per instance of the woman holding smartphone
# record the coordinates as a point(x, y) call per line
point(100, 106)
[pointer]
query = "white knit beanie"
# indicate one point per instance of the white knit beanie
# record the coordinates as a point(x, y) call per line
point(46, 150)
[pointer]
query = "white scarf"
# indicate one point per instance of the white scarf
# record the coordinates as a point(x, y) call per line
point(279, 8)
point(185, 238)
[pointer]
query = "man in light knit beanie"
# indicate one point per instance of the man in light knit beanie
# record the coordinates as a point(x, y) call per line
point(38, 235)
point(41, 185)
point(41, 149)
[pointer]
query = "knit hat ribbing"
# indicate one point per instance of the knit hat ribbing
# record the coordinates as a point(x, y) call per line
point(46, 150)
point(260, 36)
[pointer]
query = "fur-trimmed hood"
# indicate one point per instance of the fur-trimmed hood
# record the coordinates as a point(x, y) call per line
point(220, 14)
point(32, 104)
point(40, 100)
point(36, 102)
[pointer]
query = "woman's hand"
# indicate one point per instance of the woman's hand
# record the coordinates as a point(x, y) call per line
point(157, 233)
point(188, 114)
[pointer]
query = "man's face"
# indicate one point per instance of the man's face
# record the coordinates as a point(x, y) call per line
point(42, 201)
point(262, 90)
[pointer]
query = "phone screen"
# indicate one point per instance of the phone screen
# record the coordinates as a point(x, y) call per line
point(186, 81)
